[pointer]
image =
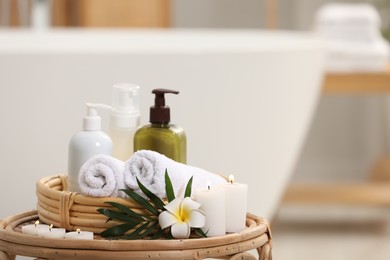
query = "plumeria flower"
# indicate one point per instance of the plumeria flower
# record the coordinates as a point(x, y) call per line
point(181, 215)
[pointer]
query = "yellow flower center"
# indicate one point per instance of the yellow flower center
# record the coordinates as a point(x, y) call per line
point(183, 214)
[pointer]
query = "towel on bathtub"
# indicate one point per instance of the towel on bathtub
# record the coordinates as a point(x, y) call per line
point(102, 176)
point(149, 167)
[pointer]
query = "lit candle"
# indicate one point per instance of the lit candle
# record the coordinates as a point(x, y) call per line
point(78, 234)
point(52, 232)
point(33, 228)
point(212, 200)
point(236, 205)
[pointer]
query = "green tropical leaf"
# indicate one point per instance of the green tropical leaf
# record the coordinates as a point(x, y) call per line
point(158, 234)
point(118, 230)
point(149, 230)
point(168, 187)
point(125, 210)
point(111, 214)
point(135, 233)
point(200, 232)
point(169, 235)
point(189, 187)
point(142, 202)
point(156, 200)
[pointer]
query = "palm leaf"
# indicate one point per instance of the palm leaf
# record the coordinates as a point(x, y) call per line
point(125, 209)
point(141, 201)
point(158, 234)
point(111, 214)
point(200, 232)
point(135, 233)
point(118, 230)
point(189, 187)
point(168, 187)
point(149, 230)
point(156, 200)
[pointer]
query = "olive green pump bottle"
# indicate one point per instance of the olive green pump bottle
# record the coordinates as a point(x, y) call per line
point(161, 136)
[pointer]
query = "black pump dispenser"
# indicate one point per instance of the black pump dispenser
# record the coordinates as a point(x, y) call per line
point(159, 113)
point(160, 135)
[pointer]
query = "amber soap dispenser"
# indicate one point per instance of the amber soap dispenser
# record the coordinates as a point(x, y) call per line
point(160, 135)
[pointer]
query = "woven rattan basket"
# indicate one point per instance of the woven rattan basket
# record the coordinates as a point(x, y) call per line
point(72, 210)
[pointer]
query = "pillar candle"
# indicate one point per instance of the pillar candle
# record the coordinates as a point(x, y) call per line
point(78, 234)
point(33, 228)
point(212, 200)
point(52, 232)
point(236, 205)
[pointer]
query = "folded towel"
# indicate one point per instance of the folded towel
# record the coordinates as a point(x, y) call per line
point(102, 176)
point(149, 167)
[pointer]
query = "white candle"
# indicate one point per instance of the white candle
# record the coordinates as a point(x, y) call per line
point(78, 234)
point(212, 200)
point(52, 232)
point(236, 205)
point(33, 228)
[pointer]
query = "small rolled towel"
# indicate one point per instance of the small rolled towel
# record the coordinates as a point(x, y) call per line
point(149, 167)
point(102, 176)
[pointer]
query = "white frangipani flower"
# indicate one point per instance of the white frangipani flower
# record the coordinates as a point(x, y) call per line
point(181, 215)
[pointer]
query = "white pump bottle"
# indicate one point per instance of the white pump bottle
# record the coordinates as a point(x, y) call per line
point(85, 144)
point(124, 119)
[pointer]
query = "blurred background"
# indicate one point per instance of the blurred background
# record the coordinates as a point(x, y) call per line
point(337, 204)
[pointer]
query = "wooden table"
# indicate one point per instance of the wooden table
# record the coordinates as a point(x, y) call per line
point(257, 236)
point(357, 83)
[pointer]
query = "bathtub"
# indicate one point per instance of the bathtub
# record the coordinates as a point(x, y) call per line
point(246, 100)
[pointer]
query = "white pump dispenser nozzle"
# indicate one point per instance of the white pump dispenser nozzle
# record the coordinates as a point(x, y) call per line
point(92, 121)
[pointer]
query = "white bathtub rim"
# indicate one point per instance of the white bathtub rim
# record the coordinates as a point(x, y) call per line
point(155, 41)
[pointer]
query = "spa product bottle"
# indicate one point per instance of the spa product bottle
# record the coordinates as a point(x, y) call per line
point(85, 144)
point(161, 136)
point(124, 119)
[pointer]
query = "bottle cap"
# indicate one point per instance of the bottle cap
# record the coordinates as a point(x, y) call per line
point(159, 113)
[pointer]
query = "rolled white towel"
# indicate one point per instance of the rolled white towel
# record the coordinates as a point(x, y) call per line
point(149, 167)
point(102, 176)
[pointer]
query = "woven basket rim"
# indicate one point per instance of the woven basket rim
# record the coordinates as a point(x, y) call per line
point(42, 187)
point(10, 225)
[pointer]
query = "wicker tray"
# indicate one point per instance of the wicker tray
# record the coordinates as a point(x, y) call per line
point(257, 236)
point(72, 210)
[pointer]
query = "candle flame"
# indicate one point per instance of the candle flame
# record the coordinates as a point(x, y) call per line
point(208, 185)
point(78, 230)
point(36, 222)
point(231, 178)
point(50, 227)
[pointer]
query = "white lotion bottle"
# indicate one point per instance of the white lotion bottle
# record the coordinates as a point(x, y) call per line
point(85, 144)
point(124, 119)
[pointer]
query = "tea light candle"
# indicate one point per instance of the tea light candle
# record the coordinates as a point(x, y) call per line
point(212, 200)
point(52, 232)
point(78, 234)
point(33, 228)
point(236, 205)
